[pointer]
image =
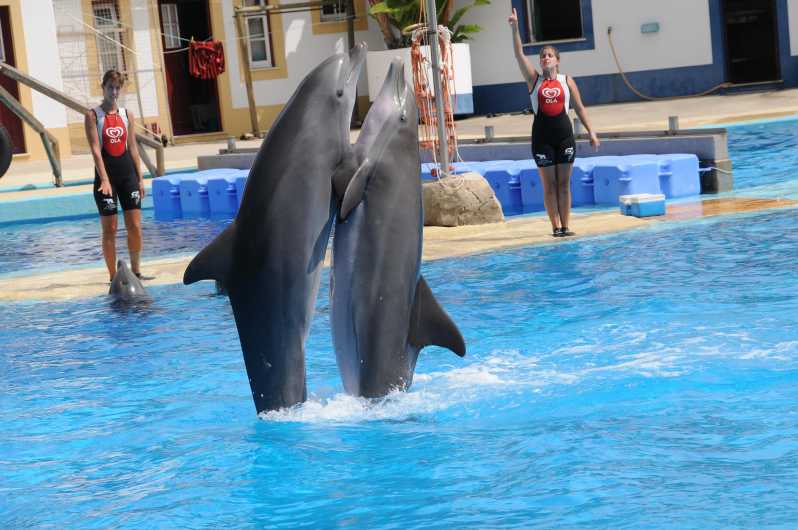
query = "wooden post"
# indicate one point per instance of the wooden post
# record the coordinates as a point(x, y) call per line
point(243, 39)
point(52, 150)
point(147, 162)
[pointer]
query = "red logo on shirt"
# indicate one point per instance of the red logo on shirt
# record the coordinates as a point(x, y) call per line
point(550, 97)
point(114, 135)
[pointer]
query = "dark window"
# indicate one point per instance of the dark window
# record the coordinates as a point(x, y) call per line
point(331, 12)
point(551, 20)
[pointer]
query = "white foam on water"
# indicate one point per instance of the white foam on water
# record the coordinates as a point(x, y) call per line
point(512, 371)
point(431, 392)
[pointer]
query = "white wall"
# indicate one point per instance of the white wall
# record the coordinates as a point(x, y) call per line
point(303, 52)
point(41, 47)
point(79, 81)
point(145, 59)
point(684, 39)
point(792, 14)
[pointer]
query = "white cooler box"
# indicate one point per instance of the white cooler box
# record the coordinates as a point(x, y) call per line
point(642, 204)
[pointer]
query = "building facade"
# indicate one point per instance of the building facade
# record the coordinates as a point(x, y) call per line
point(673, 48)
point(680, 47)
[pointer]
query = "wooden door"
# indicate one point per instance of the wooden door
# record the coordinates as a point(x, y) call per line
point(8, 119)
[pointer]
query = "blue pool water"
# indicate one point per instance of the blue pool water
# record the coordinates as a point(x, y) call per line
point(644, 379)
point(648, 379)
point(36, 247)
point(764, 154)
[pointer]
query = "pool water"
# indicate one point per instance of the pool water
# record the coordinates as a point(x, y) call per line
point(46, 246)
point(764, 154)
point(642, 380)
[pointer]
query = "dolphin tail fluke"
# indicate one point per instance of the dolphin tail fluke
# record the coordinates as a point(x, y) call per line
point(214, 261)
point(430, 325)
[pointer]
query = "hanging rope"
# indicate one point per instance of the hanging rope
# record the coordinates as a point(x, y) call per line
point(652, 98)
point(425, 97)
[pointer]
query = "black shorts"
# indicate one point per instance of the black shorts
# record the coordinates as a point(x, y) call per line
point(124, 186)
point(547, 153)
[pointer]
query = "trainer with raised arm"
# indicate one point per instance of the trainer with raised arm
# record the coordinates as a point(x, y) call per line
point(553, 144)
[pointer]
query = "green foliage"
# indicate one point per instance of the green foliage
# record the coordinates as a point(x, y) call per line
point(404, 13)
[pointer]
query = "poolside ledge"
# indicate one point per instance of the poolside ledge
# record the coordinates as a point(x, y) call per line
point(439, 243)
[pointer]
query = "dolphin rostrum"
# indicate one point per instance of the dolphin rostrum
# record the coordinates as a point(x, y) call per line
point(270, 256)
point(126, 287)
point(383, 311)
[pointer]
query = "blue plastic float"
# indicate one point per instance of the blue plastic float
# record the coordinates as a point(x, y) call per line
point(597, 180)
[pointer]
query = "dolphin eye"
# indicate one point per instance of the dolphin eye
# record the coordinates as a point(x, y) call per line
point(403, 116)
point(339, 92)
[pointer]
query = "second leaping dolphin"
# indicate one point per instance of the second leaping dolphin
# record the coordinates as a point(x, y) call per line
point(269, 258)
point(383, 311)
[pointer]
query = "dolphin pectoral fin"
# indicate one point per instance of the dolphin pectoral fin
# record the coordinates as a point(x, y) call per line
point(343, 174)
point(354, 190)
point(214, 261)
point(429, 323)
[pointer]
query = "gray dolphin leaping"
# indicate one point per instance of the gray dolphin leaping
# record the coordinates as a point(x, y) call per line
point(126, 287)
point(383, 311)
point(269, 258)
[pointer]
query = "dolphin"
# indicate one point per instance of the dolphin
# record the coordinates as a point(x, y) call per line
point(269, 258)
point(126, 287)
point(382, 310)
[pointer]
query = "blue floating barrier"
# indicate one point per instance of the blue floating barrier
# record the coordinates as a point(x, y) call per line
point(194, 197)
point(679, 175)
point(222, 196)
point(531, 189)
point(582, 182)
point(506, 186)
point(166, 197)
point(240, 183)
point(631, 177)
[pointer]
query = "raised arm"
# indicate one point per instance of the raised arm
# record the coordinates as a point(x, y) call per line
point(581, 111)
point(529, 73)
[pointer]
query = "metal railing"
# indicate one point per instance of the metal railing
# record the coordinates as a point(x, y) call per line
point(50, 142)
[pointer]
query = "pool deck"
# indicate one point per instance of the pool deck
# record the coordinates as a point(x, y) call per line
point(439, 242)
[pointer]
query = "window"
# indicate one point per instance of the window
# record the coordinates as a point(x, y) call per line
point(106, 21)
point(552, 20)
point(260, 39)
point(334, 12)
point(171, 26)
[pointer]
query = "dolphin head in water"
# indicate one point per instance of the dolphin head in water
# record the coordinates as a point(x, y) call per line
point(126, 286)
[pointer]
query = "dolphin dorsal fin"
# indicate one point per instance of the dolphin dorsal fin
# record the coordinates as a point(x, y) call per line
point(430, 325)
point(214, 261)
point(354, 190)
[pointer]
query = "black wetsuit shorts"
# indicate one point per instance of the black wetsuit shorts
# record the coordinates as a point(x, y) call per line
point(124, 185)
point(553, 141)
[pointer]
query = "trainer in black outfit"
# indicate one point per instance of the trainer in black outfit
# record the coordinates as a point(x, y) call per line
point(553, 145)
point(117, 177)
